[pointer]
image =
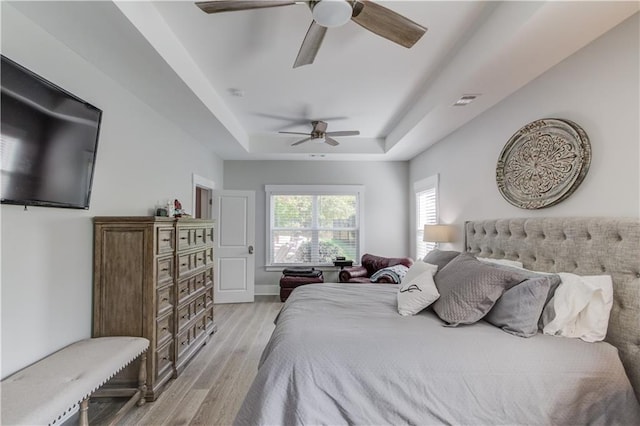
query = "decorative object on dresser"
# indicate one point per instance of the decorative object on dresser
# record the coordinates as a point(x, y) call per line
point(543, 163)
point(153, 278)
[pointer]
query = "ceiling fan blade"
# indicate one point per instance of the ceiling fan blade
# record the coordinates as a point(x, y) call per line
point(310, 45)
point(344, 133)
point(295, 133)
point(331, 141)
point(216, 6)
point(301, 141)
point(387, 23)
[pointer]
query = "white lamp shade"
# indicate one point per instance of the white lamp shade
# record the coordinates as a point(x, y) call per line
point(438, 233)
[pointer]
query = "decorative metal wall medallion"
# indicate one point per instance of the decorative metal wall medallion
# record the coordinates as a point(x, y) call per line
point(543, 163)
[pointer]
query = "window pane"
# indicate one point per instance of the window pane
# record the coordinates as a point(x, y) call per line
point(289, 246)
point(337, 211)
point(338, 243)
point(292, 211)
point(313, 228)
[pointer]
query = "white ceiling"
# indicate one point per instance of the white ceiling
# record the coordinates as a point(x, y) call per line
point(186, 64)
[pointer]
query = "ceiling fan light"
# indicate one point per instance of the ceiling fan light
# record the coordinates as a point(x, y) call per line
point(332, 13)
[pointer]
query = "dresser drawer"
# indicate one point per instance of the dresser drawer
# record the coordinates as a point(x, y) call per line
point(208, 296)
point(165, 270)
point(164, 360)
point(190, 262)
point(164, 300)
point(185, 339)
point(185, 314)
point(194, 237)
point(164, 329)
point(165, 240)
point(199, 304)
point(185, 289)
point(208, 317)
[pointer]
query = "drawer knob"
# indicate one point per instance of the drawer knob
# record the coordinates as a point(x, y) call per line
point(166, 239)
point(164, 299)
point(183, 343)
point(184, 316)
point(183, 238)
point(164, 329)
point(183, 264)
point(164, 358)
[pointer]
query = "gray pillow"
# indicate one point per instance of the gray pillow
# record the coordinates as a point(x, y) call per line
point(440, 257)
point(519, 309)
point(517, 316)
point(469, 289)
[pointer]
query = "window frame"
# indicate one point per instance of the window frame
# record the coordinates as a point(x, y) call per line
point(419, 187)
point(313, 190)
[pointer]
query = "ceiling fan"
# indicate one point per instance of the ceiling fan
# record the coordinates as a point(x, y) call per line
point(333, 13)
point(320, 134)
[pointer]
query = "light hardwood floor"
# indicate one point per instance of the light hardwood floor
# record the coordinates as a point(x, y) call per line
point(212, 387)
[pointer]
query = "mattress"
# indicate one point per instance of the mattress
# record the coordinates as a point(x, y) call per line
point(341, 354)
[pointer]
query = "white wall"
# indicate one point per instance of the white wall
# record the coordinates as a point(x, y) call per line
point(46, 257)
point(598, 88)
point(385, 218)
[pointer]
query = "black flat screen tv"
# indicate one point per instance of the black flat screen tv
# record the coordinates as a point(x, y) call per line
point(48, 141)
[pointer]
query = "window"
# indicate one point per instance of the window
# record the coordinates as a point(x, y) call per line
point(426, 193)
point(312, 224)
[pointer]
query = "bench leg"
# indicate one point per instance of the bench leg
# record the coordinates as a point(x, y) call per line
point(142, 379)
point(84, 413)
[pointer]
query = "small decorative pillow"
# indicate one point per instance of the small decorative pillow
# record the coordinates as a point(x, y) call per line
point(417, 293)
point(469, 289)
point(393, 274)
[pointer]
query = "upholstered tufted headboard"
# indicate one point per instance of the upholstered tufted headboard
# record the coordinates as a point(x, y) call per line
point(584, 246)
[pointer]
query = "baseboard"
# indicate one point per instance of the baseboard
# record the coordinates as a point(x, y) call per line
point(267, 289)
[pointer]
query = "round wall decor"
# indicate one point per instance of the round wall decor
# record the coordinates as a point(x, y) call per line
point(543, 163)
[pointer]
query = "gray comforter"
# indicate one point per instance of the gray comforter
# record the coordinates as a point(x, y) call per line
point(341, 354)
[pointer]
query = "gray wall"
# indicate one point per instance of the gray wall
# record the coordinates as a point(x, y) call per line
point(142, 159)
point(386, 214)
point(598, 88)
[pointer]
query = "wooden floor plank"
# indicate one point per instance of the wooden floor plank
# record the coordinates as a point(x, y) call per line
point(211, 388)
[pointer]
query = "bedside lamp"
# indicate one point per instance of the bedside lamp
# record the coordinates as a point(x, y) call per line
point(438, 234)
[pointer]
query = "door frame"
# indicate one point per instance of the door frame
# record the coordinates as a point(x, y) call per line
point(209, 186)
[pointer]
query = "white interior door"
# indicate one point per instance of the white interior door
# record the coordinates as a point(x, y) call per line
point(234, 212)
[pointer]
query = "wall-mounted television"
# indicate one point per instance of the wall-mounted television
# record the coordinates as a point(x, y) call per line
point(48, 141)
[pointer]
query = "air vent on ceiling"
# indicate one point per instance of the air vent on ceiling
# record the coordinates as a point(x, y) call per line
point(465, 100)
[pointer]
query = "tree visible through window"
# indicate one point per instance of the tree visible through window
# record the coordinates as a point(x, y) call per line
point(313, 224)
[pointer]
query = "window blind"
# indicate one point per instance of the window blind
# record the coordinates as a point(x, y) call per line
point(426, 213)
point(313, 228)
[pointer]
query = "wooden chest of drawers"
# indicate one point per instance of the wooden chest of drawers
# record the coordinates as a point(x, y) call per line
point(153, 277)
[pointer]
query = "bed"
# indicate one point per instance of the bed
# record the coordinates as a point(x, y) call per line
point(341, 354)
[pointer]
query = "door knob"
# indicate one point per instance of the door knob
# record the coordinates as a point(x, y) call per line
point(250, 249)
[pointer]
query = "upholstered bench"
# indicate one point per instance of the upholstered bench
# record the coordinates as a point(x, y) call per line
point(289, 283)
point(48, 392)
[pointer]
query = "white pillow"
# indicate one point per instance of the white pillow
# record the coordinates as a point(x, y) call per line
point(418, 268)
point(580, 307)
point(416, 294)
point(505, 262)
